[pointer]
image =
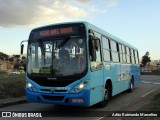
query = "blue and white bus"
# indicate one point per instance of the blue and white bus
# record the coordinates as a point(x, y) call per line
point(78, 64)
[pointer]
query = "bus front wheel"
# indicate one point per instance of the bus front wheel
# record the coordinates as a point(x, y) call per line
point(106, 97)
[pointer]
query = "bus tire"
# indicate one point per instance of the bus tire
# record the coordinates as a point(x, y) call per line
point(106, 96)
point(131, 85)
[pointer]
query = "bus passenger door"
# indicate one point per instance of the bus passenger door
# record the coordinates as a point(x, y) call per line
point(96, 89)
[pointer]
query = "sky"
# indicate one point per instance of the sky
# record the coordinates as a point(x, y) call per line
point(135, 21)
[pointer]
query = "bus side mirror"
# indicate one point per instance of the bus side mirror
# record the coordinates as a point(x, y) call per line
point(92, 50)
point(96, 43)
point(22, 47)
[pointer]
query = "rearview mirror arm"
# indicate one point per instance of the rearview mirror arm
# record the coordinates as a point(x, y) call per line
point(22, 46)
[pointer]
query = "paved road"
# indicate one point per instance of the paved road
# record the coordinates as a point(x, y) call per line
point(149, 86)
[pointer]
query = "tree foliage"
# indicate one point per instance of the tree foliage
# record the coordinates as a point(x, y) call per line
point(23, 58)
point(11, 59)
point(16, 66)
point(15, 59)
point(145, 59)
point(4, 57)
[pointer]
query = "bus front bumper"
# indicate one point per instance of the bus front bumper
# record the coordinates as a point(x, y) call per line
point(71, 99)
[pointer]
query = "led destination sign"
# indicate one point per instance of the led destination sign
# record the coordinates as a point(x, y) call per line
point(58, 31)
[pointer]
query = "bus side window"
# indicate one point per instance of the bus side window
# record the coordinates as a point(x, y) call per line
point(120, 52)
point(115, 51)
point(133, 57)
point(124, 53)
point(92, 50)
point(128, 55)
point(98, 51)
point(106, 49)
point(95, 53)
point(94, 46)
point(136, 56)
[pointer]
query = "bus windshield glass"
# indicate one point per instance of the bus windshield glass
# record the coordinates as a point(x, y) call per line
point(57, 58)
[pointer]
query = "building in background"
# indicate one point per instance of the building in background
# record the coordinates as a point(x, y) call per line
point(4, 66)
point(151, 66)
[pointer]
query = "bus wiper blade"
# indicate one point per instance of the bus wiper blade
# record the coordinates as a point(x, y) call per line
point(65, 40)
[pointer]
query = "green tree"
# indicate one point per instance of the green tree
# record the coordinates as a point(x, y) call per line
point(4, 57)
point(23, 58)
point(16, 67)
point(16, 57)
point(11, 59)
point(145, 59)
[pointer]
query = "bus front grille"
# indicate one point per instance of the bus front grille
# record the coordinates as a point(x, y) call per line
point(56, 98)
point(49, 91)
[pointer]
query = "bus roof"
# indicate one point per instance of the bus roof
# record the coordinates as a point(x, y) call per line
point(97, 29)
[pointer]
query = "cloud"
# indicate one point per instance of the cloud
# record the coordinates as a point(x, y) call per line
point(111, 3)
point(83, 2)
point(95, 9)
point(99, 6)
point(108, 2)
point(37, 12)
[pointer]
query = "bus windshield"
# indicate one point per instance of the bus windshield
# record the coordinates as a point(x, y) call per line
point(57, 57)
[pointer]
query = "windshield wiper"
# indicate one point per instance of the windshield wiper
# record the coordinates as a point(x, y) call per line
point(64, 41)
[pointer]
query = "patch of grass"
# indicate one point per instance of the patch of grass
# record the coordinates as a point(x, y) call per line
point(154, 106)
point(12, 85)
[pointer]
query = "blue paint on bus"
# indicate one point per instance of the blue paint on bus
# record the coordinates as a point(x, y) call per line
point(84, 81)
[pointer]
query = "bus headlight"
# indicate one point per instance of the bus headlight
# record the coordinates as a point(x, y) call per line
point(79, 87)
point(31, 87)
